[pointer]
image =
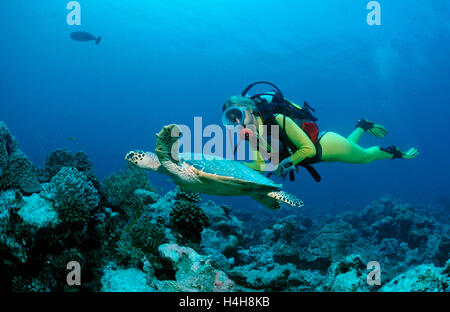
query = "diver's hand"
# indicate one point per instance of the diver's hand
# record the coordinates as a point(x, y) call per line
point(411, 153)
point(284, 167)
point(398, 154)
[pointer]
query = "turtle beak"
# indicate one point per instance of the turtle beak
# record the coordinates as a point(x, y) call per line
point(131, 157)
point(128, 156)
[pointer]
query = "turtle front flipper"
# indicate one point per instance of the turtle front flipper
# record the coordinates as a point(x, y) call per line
point(286, 198)
point(167, 143)
point(167, 152)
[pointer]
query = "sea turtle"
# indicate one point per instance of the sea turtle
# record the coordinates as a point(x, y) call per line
point(209, 175)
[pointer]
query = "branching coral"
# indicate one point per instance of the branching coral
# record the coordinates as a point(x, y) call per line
point(147, 234)
point(141, 238)
point(187, 195)
point(188, 219)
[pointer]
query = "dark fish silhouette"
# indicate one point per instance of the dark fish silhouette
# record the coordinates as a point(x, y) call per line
point(85, 36)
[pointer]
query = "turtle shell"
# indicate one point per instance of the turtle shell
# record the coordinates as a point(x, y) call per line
point(226, 168)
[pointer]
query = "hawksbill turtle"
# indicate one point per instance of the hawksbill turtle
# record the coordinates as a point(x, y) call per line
point(209, 175)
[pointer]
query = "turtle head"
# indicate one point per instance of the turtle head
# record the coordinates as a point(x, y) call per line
point(145, 160)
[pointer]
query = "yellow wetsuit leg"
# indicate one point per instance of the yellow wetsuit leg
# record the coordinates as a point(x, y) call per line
point(356, 135)
point(337, 148)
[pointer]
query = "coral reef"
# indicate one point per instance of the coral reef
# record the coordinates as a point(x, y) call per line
point(294, 252)
point(126, 237)
point(331, 253)
point(40, 233)
point(36, 245)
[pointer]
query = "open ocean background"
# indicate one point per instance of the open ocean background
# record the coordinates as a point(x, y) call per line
point(162, 62)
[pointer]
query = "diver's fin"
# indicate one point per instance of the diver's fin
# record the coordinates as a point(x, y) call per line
point(99, 38)
point(286, 198)
point(372, 128)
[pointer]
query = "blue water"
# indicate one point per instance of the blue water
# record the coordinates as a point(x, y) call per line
point(163, 62)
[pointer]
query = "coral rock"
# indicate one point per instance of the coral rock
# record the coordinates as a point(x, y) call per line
point(38, 211)
point(425, 277)
point(193, 272)
point(124, 280)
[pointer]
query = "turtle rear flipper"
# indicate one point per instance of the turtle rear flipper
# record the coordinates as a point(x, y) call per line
point(286, 198)
point(268, 202)
point(272, 199)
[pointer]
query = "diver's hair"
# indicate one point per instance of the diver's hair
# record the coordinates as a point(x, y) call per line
point(238, 100)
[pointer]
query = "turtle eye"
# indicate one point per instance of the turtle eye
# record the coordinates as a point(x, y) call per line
point(129, 156)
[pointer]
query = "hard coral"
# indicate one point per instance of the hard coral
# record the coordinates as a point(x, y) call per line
point(60, 158)
point(119, 190)
point(140, 239)
point(147, 234)
point(187, 195)
point(20, 173)
point(16, 169)
point(74, 196)
point(188, 219)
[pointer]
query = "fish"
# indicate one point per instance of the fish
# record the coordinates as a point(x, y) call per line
point(84, 36)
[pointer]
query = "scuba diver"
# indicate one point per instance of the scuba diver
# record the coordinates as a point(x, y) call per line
point(299, 140)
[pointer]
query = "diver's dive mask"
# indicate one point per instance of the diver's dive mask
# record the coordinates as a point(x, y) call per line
point(233, 116)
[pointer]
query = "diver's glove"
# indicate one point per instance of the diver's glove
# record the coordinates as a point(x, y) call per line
point(284, 167)
point(372, 128)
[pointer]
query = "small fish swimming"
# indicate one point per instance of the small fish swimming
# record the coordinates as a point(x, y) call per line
point(84, 36)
